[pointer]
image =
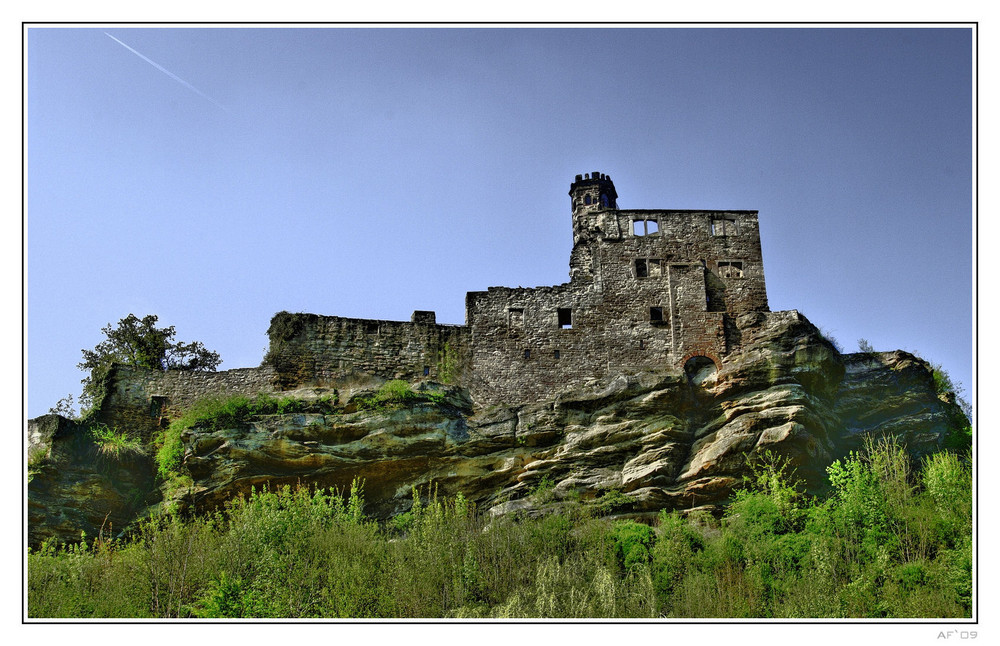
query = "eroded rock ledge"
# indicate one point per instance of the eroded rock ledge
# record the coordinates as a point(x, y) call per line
point(664, 440)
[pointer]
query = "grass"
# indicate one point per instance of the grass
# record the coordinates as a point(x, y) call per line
point(891, 540)
point(115, 444)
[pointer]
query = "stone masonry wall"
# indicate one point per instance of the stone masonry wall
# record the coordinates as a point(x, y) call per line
point(307, 349)
point(648, 290)
point(145, 399)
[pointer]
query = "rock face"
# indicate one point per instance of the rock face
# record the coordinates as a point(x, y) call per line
point(667, 440)
point(72, 487)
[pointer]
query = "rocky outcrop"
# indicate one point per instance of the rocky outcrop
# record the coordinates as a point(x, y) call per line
point(660, 440)
point(74, 488)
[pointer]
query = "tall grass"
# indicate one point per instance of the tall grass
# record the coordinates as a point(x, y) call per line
point(890, 541)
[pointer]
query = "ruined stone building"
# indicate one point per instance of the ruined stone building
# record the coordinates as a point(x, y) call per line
point(648, 290)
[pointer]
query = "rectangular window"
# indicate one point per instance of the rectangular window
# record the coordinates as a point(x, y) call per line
point(656, 315)
point(527, 354)
point(731, 269)
point(557, 354)
point(645, 227)
point(427, 370)
point(724, 226)
point(565, 318)
point(647, 267)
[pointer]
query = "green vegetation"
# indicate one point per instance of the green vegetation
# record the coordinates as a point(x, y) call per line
point(138, 342)
point(889, 541)
point(447, 364)
point(114, 443)
point(396, 394)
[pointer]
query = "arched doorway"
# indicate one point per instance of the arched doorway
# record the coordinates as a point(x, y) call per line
point(700, 369)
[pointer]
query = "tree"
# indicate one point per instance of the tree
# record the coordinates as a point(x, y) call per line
point(138, 342)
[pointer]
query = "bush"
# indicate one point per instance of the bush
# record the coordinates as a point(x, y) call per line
point(887, 542)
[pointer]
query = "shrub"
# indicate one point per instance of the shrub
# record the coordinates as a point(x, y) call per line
point(633, 542)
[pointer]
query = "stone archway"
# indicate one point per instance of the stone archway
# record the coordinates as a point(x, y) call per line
point(700, 368)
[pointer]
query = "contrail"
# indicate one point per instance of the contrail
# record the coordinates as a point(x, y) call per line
point(170, 74)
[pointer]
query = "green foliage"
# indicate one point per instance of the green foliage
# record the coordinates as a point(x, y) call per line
point(64, 407)
point(138, 342)
point(889, 541)
point(612, 501)
point(447, 364)
point(959, 438)
point(544, 491)
point(114, 443)
point(865, 347)
point(396, 394)
point(632, 542)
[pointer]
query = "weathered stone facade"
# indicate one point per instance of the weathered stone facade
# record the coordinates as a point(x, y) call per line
point(648, 290)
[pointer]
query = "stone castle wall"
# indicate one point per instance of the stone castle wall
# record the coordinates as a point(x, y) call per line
point(312, 350)
point(145, 399)
point(648, 290)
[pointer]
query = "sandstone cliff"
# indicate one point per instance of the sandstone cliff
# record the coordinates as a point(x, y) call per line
point(634, 444)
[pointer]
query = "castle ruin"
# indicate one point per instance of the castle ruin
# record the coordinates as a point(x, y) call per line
point(648, 290)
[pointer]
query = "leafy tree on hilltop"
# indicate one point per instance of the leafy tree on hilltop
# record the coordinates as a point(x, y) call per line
point(138, 342)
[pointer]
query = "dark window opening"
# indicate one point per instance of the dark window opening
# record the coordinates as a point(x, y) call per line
point(646, 267)
point(557, 354)
point(527, 354)
point(156, 406)
point(604, 199)
point(642, 344)
point(731, 269)
point(565, 318)
point(427, 370)
point(371, 328)
point(656, 315)
point(586, 199)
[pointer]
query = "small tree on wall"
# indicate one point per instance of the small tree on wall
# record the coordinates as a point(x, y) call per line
point(138, 342)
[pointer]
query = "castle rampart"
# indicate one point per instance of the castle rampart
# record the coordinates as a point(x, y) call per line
point(307, 349)
point(648, 290)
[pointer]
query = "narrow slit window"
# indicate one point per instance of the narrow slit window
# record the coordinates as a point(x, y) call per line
point(565, 318)
point(656, 315)
point(427, 370)
point(527, 354)
point(557, 354)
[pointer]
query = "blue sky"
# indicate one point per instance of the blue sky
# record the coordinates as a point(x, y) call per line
point(215, 176)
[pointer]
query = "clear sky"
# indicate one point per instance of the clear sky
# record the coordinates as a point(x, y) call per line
point(215, 176)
